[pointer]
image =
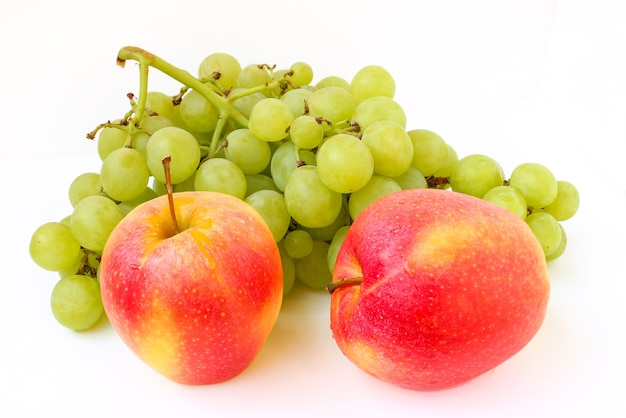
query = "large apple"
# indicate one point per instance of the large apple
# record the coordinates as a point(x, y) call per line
point(432, 288)
point(195, 304)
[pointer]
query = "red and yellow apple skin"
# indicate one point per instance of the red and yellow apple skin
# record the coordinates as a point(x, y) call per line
point(196, 306)
point(452, 286)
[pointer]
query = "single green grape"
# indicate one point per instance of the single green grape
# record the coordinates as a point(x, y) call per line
point(374, 109)
point(53, 247)
point(333, 104)
point(198, 114)
point(270, 120)
point(430, 151)
point(344, 163)
point(302, 73)
point(536, 183)
point(547, 231)
point(309, 201)
point(111, 138)
point(372, 81)
point(246, 103)
point(151, 124)
point(93, 220)
point(183, 148)
point(298, 243)
point(448, 166)
point(296, 100)
point(247, 151)
point(306, 132)
point(256, 182)
point(220, 67)
point(377, 187)
point(475, 175)
point(85, 184)
point(391, 147)
point(124, 174)
point(566, 203)
point(159, 103)
point(412, 178)
point(221, 175)
point(253, 75)
point(508, 198)
point(312, 270)
point(76, 302)
point(271, 205)
point(561, 248)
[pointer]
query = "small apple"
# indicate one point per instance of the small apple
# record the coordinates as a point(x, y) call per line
point(196, 304)
point(432, 288)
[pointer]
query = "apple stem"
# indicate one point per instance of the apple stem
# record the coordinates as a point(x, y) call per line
point(350, 281)
point(170, 191)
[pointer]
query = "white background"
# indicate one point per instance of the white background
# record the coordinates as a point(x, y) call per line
point(525, 80)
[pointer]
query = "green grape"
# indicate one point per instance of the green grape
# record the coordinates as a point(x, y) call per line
point(306, 132)
point(335, 246)
point(272, 207)
point(253, 75)
point(326, 233)
point(566, 203)
point(124, 174)
point(378, 186)
point(475, 175)
point(536, 183)
point(198, 114)
point(344, 163)
point(296, 101)
point(221, 175)
point(390, 146)
point(256, 182)
point(372, 81)
point(309, 201)
point(70, 271)
point(247, 151)
point(128, 205)
point(246, 103)
point(270, 120)
point(378, 108)
point(333, 104)
point(289, 269)
point(85, 184)
point(76, 302)
point(159, 103)
point(284, 162)
point(185, 186)
point(333, 81)
point(111, 138)
point(302, 73)
point(547, 231)
point(53, 247)
point(298, 243)
point(181, 146)
point(561, 248)
point(151, 124)
point(412, 178)
point(220, 67)
point(508, 198)
point(448, 166)
point(312, 270)
point(430, 151)
point(92, 221)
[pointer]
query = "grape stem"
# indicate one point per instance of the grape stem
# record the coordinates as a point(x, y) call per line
point(170, 191)
point(350, 281)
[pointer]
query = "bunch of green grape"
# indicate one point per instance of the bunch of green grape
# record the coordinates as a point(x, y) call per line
point(309, 157)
